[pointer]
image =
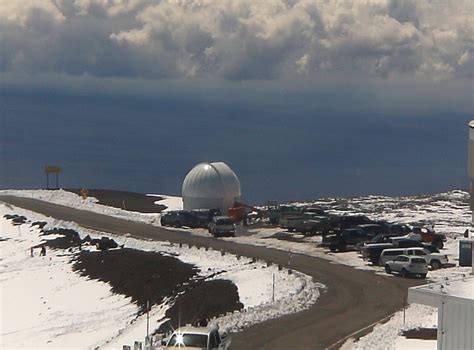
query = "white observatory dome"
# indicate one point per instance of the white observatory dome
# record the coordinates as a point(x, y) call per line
point(210, 186)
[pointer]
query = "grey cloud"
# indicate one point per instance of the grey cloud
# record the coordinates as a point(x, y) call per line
point(237, 39)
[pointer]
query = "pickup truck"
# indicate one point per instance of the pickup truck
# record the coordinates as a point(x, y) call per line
point(305, 223)
point(372, 251)
point(348, 237)
point(204, 338)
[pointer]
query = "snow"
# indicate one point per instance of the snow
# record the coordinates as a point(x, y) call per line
point(449, 212)
point(387, 335)
point(45, 304)
point(65, 310)
point(73, 200)
point(171, 202)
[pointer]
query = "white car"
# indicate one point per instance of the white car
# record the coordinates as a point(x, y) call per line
point(435, 260)
point(204, 338)
point(407, 266)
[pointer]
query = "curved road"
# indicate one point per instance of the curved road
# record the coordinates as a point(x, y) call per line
point(354, 299)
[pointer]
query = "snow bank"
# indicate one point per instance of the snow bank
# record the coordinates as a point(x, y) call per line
point(63, 309)
point(46, 304)
point(388, 336)
point(90, 204)
point(171, 202)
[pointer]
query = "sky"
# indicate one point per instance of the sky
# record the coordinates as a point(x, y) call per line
point(302, 98)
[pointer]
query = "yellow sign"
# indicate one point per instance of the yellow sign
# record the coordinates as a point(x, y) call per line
point(84, 193)
point(52, 169)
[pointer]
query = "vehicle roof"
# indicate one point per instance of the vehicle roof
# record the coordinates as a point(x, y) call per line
point(196, 330)
point(417, 248)
point(222, 217)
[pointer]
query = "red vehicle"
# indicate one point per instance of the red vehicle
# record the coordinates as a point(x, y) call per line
point(429, 235)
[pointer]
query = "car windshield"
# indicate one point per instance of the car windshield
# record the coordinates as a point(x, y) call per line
point(224, 222)
point(418, 261)
point(192, 340)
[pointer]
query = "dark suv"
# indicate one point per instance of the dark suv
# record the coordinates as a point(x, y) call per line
point(179, 218)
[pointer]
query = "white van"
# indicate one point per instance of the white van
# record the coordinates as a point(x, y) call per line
point(435, 260)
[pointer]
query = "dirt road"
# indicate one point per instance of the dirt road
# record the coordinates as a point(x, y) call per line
point(354, 299)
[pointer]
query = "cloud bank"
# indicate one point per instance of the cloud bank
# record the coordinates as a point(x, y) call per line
point(238, 39)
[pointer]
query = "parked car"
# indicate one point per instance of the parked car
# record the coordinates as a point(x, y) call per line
point(306, 223)
point(348, 237)
point(430, 236)
point(373, 229)
point(407, 266)
point(207, 338)
point(399, 229)
point(222, 226)
point(205, 215)
point(372, 252)
point(435, 260)
point(347, 221)
point(315, 210)
point(179, 218)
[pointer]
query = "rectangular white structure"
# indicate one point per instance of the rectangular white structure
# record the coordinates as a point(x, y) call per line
point(471, 176)
point(455, 303)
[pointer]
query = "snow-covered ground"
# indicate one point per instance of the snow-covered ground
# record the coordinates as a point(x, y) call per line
point(73, 200)
point(45, 304)
point(171, 202)
point(449, 212)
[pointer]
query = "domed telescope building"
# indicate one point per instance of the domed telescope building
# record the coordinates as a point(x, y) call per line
point(211, 186)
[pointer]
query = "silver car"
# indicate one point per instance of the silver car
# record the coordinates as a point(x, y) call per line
point(407, 266)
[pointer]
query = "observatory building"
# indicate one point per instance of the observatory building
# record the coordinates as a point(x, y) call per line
point(211, 186)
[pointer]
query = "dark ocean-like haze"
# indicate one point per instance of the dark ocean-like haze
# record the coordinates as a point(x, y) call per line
point(283, 146)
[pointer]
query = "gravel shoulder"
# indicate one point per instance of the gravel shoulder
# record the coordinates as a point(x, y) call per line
point(354, 299)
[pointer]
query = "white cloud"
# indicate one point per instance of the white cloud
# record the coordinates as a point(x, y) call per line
point(237, 39)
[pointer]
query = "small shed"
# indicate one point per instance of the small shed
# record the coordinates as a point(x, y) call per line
point(455, 303)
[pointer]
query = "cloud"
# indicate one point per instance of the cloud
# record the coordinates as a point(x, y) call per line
point(238, 39)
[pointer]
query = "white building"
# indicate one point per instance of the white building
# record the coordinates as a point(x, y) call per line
point(210, 186)
point(455, 303)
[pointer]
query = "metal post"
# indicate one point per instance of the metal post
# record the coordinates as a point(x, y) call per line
point(273, 287)
point(404, 309)
point(147, 318)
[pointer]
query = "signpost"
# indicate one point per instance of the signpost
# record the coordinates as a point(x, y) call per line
point(52, 169)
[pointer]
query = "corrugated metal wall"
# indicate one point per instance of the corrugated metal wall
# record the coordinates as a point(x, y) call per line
point(457, 327)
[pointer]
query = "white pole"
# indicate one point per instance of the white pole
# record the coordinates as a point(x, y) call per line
point(273, 287)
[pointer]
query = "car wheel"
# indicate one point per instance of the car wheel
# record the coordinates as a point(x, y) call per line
point(388, 269)
point(342, 247)
point(423, 275)
point(332, 248)
point(177, 224)
point(439, 244)
point(435, 264)
point(404, 273)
